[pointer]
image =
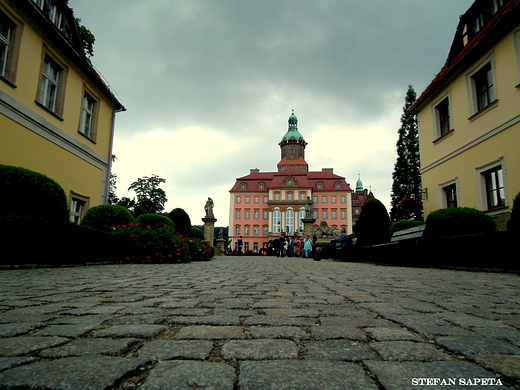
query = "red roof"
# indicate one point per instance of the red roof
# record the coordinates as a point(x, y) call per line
point(460, 56)
point(301, 180)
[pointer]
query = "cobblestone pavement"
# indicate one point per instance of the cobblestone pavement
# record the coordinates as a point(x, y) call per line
point(258, 323)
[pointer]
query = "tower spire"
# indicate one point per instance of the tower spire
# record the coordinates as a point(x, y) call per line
point(292, 148)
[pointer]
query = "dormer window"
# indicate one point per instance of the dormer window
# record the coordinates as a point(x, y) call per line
point(261, 186)
point(319, 185)
point(243, 186)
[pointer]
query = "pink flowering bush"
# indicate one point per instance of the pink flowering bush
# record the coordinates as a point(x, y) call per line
point(199, 249)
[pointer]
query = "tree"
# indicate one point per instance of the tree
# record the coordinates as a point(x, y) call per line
point(87, 38)
point(112, 197)
point(406, 186)
point(373, 223)
point(150, 198)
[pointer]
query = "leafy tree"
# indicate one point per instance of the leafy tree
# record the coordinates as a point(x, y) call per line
point(112, 197)
point(406, 186)
point(150, 198)
point(514, 222)
point(87, 38)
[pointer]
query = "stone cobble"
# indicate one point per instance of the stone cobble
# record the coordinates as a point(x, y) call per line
point(258, 323)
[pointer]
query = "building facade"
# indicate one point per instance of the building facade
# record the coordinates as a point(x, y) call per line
point(56, 114)
point(469, 115)
point(264, 205)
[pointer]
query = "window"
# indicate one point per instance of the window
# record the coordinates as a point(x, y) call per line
point(239, 199)
point(256, 214)
point(51, 85)
point(319, 185)
point(78, 207)
point(5, 42)
point(334, 199)
point(289, 221)
point(54, 15)
point(276, 196)
point(39, 3)
point(257, 199)
point(246, 230)
point(255, 246)
point(343, 199)
point(324, 199)
point(243, 186)
point(255, 230)
point(324, 214)
point(266, 199)
point(496, 5)
point(247, 214)
point(482, 88)
point(442, 117)
point(494, 183)
point(237, 230)
point(261, 186)
point(264, 230)
point(337, 185)
point(237, 214)
point(266, 214)
point(302, 196)
point(289, 196)
point(88, 107)
point(248, 199)
point(314, 199)
point(301, 217)
point(450, 195)
point(277, 221)
point(10, 38)
point(334, 214)
point(343, 214)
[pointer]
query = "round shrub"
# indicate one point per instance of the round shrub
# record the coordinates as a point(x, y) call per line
point(373, 223)
point(197, 233)
point(458, 221)
point(26, 192)
point(153, 221)
point(181, 220)
point(107, 217)
point(403, 224)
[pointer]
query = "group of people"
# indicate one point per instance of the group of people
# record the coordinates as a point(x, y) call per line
point(292, 247)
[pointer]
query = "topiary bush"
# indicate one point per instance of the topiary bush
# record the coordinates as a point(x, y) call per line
point(513, 225)
point(372, 225)
point(197, 233)
point(458, 221)
point(20, 189)
point(107, 217)
point(403, 224)
point(154, 221)
point(181, 221)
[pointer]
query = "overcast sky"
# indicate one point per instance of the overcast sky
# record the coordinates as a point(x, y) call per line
point(209, 86)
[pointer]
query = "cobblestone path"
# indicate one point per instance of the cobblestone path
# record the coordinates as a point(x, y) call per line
point(258, 323)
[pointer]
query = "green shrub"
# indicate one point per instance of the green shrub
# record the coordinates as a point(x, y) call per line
point(513, 225)
point(372, 225)
point(458, 221)
point(197, 233)
point(154, 221)
point(181, 220)
point(144, 244)
point(403, 224)
point(107, 217)
point(26, 192)
point(200, 250)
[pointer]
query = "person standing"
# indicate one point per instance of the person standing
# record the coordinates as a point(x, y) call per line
point(283, 245)
point(240, 244)
point(297, 247)
point(307, 246)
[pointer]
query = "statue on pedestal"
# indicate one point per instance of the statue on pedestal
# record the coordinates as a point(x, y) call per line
point(209, 208)
point(309, 208)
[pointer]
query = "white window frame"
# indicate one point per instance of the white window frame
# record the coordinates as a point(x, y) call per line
point(480, 180)
point(78, 207)
point(52, 84)
point(437, 109)
point(443, 199)
point(474, 110)
point(88, 117)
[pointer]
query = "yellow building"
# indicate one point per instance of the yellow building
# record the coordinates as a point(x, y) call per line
point(56, 114)
point(469, 115)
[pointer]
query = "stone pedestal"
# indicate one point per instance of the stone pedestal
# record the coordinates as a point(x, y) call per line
point(308, 227)
point(209, 229)
point(220, 249)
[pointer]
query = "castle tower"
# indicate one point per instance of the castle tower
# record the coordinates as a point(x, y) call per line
point(292, 148)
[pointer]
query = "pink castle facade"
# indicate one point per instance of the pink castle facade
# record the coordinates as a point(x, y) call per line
point(264, 205)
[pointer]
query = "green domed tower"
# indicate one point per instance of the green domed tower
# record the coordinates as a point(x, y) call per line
point(292, 148)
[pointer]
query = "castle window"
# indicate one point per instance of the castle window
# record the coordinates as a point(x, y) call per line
point(442, 117)
point(481, 87)
point(261, 186)
point(319, 185)
point(243, 186)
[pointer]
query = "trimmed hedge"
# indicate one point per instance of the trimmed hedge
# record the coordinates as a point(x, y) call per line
point(154, 221)
point(107, 217)
point(458, 221)
point(30, 193)
point(373, 224)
